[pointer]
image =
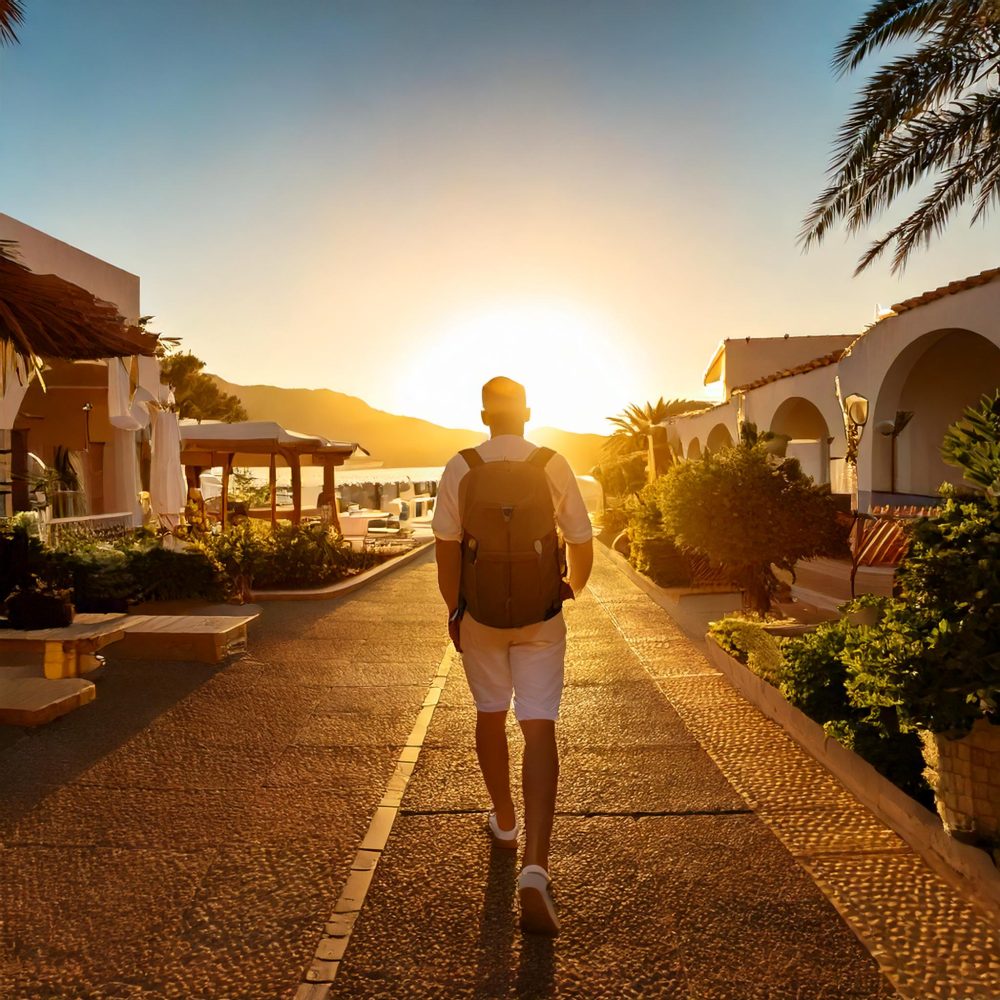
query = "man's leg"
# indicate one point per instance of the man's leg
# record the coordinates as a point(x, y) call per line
point(539, 780)
point(494, 762)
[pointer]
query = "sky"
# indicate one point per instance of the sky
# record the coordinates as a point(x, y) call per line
point(400, 200)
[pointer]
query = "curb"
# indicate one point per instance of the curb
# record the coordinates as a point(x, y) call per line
point(667, 597)
point(349, 585)
point(968, 868)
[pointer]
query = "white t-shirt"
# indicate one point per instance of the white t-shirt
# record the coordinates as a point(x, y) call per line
point(571, 512)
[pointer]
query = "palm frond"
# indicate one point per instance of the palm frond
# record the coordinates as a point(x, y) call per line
point(925, 115)
point(887, 22)
point(11, 14)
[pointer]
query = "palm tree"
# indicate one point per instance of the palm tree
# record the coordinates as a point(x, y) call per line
point(11, 13)
point(635, 422)
point(931, 113)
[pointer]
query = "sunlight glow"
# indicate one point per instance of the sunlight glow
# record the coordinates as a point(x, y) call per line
point(571, 360)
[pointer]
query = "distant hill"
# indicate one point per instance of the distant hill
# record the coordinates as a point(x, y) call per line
point(393, 439)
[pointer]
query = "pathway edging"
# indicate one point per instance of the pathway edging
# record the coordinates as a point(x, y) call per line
point(337, 931)
point(348, 586)
point(967, 867)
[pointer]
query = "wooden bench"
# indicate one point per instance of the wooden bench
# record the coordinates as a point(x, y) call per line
point(69, 651)
point(27, 699)
point(201, 638)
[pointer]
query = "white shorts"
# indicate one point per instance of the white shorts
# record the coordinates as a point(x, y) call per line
point(526, 662)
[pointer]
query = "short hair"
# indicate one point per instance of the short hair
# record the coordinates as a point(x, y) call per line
point(504, 395)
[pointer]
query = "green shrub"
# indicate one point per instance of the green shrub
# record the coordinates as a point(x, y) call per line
point(935, 654)
point(814, 675)
point(747, 510)
point(652, 550)
point(811, 673)
point(166, 575)
point(251, 554)
point(747, 641)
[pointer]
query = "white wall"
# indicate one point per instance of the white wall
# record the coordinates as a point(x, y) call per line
point(45, 254)
point(934, 359)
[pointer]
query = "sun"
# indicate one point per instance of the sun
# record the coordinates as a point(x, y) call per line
point(573, 361)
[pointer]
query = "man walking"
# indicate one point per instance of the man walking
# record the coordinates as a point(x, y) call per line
point(502, 575)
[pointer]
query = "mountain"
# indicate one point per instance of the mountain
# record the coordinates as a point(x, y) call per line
point(395, 440)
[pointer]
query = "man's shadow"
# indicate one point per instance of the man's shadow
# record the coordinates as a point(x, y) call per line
point(495, 976)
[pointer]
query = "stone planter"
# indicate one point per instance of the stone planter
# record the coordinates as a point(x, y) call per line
point(964, 772)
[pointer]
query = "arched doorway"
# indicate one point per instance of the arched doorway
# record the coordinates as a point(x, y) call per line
point(694, 449)
point(719, 437)
point(798, 419)
point(935, 378)
point(803, 425)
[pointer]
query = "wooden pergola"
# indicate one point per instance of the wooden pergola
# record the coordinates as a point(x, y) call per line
point(259, 444)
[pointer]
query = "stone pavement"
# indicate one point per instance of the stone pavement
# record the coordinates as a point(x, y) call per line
point(189, 834)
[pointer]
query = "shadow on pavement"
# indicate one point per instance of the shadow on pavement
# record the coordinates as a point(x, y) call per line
point(497, 929)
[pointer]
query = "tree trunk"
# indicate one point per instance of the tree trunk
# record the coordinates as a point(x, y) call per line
point(757, 585)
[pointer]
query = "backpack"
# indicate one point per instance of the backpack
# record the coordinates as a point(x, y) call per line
point(512, 560)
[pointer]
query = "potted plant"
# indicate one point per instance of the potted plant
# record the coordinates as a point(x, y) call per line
point(934, 656)
point(31, 601)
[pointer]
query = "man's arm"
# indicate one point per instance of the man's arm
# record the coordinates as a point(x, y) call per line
point(449, 567)
point(580, 557)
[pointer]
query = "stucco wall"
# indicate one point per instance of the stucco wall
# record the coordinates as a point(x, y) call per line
point(749, 359)
point(934, 359)
point(45, 254)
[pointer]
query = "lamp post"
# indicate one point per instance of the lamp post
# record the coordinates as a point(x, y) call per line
point(855, 410)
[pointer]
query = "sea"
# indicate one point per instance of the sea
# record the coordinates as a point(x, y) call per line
point(355, 479)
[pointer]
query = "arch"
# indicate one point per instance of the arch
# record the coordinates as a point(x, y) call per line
point(935, 377)
point(799, 419)
point(718, 438)
point(694, 449)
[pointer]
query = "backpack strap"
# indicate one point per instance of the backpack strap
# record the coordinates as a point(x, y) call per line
point(472, 457)
point(540, 457)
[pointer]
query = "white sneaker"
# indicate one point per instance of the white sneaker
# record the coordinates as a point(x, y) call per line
point(538, 911)
point(506, 839)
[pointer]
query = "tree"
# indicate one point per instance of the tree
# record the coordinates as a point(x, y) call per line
point(745, 510)
point(11, 14)
point(635, 422)
point(933, 112)
point(195, 394)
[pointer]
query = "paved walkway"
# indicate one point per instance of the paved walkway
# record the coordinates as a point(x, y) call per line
point(190, 833)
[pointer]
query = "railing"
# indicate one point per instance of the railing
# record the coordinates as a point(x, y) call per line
point(92, 527)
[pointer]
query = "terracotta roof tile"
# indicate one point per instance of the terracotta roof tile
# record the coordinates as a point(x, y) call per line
point(983, 278)
point(827, 359)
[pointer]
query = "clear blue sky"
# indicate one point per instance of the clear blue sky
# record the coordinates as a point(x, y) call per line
point(342, 194)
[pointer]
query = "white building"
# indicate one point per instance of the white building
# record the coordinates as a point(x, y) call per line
point(96, 411)
point(933, 356)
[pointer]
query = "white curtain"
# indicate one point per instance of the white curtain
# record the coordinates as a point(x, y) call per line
point(167, 488)
point(121, 475)
point(126, 410)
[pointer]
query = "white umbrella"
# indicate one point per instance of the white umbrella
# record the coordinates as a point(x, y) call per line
point(167, 488)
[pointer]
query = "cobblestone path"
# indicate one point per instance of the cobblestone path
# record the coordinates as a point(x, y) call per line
point(189, 834)
point(184, 835)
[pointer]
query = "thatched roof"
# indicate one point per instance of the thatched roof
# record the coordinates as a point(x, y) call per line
point(44, 316)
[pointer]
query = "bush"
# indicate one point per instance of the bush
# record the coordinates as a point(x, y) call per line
point(745, 640)
point(652, 550)
point(812, 674)
point(745, 510)
point(935, 653)
point(251, 554)
point(818, 679)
